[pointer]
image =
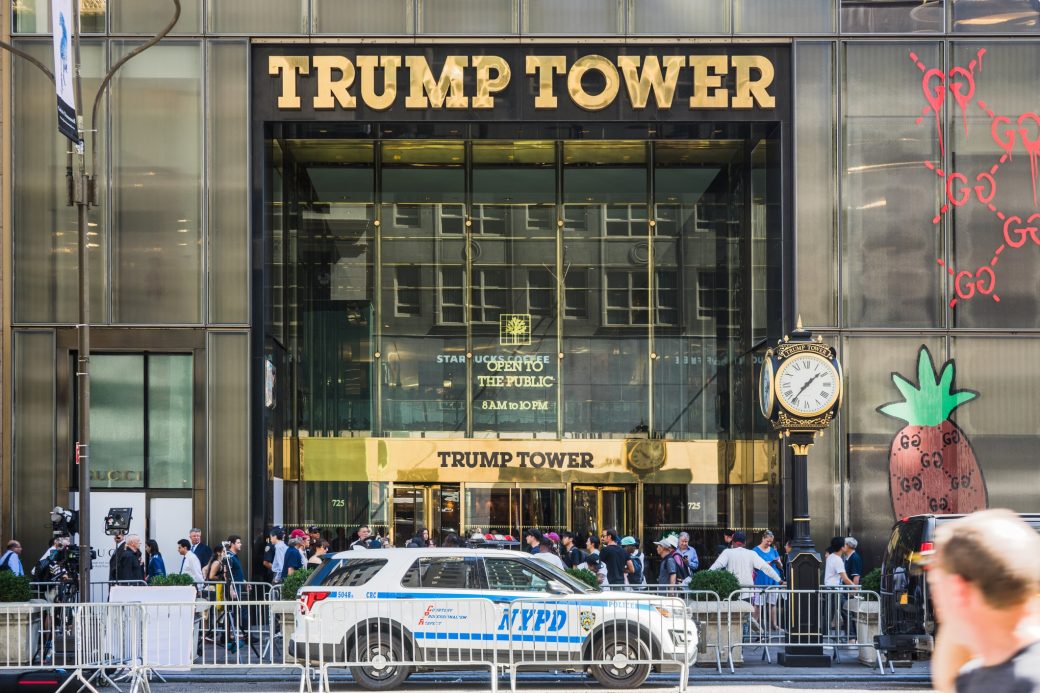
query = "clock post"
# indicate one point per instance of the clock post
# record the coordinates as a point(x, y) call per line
point(800, 390)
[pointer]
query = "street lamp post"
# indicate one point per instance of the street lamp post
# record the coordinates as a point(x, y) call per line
point(82, 193)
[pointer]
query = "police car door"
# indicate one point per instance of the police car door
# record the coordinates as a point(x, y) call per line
point(450, 610)
point(530, 618)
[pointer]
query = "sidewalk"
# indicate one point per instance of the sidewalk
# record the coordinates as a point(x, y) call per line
point(754, 670)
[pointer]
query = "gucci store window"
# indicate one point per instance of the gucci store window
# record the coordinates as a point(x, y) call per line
point(141, 421)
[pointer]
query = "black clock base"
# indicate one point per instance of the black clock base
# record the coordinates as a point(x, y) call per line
point(803, 656)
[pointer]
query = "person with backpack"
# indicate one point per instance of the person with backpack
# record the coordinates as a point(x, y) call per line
point(11, 560)
point(572, 556)
point(669, 573)
point(636, 578)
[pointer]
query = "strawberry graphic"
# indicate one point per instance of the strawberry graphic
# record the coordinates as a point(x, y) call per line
point(932, 466)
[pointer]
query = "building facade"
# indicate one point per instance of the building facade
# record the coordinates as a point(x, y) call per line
point(481, 266)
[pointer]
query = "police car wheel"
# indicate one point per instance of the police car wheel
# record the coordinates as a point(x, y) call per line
point(618, 671)
point(380, 651)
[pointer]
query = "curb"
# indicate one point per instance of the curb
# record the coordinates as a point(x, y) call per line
point(714, 679)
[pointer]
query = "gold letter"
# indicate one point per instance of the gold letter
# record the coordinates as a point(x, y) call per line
point(578, 94)
point(708, 71)
point(289, 66)
point(485, 85)
point(746, 87)
point(546, 66)
point(327, 89)
point(446, 91)
point(640, 85)
point(390, 65)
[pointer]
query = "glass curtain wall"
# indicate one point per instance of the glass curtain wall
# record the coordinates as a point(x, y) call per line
point(526, 288)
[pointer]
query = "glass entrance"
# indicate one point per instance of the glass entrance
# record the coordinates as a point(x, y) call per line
point(595, 508)
point(423, 506)
point(409, 506)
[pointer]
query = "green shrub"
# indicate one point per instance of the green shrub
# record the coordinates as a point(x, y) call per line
point(292, 584)
point(14, 588)
point(872, 581)
point(171, 580)
point(583, 575)
point(721, 582)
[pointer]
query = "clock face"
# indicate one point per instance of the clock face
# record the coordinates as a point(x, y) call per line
point(807, 385)
point(765, 386)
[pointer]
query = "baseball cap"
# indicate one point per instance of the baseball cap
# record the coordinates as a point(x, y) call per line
point(740, 536)
point(297, 533)
point(534, 532)
point(629, 541)
point(313, 529)
point(553, 535)
point(668, 541)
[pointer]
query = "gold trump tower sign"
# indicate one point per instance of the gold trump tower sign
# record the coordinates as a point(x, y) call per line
point(521, 82)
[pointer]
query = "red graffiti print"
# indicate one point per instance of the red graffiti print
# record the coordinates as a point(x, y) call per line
point(963, 188)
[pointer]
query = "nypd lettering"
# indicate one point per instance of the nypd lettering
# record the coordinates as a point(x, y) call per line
point(531, 620)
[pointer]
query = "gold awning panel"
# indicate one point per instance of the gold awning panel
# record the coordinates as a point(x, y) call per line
point(533, 461)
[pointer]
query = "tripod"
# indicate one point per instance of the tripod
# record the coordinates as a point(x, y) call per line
point(236, 635)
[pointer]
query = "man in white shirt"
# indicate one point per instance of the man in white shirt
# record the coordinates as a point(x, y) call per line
point(189, 563)
point(743, 563)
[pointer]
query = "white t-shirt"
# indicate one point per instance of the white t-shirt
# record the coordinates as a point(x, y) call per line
point(551, 558)
point(833, 569)
point(743, 563)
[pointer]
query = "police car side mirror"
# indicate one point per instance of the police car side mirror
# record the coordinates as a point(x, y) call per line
point(557, 587)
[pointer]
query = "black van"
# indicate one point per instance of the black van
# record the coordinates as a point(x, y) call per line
point(907, 621)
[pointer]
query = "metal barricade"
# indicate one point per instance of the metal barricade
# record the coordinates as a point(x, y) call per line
point(703, 607)
point(617, 638)
point(209, 635)
point(382, 641)
point(107, 639)
point(250, 591)
point(764, 616)
point(85, 641)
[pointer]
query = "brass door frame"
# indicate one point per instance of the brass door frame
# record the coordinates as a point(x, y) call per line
point(630, 492)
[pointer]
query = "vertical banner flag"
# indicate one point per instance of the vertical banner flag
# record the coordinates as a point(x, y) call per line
point(61, 24)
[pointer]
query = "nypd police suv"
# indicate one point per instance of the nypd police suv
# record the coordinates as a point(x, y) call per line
point(387, 613)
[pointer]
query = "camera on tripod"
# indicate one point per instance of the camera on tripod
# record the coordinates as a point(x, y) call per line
point(64, 523)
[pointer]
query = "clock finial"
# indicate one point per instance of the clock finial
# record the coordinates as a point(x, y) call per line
point(798, 327)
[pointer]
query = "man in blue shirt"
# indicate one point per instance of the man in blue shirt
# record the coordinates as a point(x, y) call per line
point(687, 551)
point(11, 560)
point(280, 550)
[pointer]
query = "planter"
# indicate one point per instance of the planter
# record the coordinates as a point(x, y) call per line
point(19, 633)
point(284, 614)
point(868, 624)
point(712, 625)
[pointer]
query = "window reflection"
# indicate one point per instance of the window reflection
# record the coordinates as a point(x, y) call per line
point(525, 288)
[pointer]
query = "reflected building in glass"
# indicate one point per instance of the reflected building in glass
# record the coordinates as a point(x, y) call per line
point(516, 263)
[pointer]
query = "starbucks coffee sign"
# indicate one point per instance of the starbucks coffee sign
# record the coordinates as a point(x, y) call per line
point(530, 82)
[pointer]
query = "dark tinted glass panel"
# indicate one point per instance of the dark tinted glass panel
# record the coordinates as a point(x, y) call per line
point(448, 573)
point(351, 572)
